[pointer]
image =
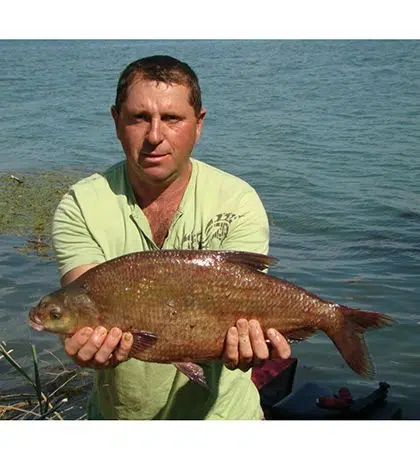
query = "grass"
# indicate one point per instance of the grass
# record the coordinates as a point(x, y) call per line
point(27, 205)
point(61, 397)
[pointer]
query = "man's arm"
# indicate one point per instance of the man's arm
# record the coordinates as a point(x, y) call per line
point(76, 253)
point(73, 274)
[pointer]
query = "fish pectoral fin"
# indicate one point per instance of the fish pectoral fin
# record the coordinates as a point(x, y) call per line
point(142, 340)
point(299, 334)
point(193, 371)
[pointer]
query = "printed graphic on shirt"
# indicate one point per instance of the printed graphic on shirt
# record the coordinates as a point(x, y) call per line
point(217, 228)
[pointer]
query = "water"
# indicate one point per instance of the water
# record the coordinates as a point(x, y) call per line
point(327, 132)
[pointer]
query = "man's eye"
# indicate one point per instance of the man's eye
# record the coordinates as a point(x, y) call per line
point(171, 118)
point(141, 117)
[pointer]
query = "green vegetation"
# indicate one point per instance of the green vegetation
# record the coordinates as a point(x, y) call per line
point(52, 390)
point(27, 204)
point(62, 397)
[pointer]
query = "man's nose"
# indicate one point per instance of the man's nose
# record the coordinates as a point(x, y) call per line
point(154, 136)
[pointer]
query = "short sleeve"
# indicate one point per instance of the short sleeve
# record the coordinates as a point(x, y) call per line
point(250, 231)
point(73, 243)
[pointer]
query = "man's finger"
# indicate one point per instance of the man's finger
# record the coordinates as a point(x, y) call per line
point(108, 346)
point(281, 348)
point(73, 344)
point(92, 346)
point(121, 354)
point(231, 353)
point(258, 343)
point(245, 349)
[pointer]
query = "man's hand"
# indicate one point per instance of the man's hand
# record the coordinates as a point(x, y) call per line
point(98, 348)
point(246, 345)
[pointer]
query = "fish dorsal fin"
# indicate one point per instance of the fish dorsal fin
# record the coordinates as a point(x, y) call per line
point(256, 261)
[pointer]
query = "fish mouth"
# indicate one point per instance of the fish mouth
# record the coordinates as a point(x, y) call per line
point(35, 322)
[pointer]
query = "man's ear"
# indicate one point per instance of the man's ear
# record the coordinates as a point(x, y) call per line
point(200, 119)
point(115, 115)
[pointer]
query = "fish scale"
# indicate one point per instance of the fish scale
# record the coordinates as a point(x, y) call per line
point(179, 305)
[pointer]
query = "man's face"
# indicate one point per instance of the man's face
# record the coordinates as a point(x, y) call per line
point(157, 128)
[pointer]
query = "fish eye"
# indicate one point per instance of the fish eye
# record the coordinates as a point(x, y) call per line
point(55, 313)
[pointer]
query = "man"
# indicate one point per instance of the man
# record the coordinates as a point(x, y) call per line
point(160, 198)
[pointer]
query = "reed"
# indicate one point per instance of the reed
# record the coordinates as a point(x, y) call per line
point(50, 397)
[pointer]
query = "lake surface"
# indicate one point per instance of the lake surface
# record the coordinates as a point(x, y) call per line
point(328, 132)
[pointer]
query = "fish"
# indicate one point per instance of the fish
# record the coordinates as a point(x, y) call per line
point(179, 305)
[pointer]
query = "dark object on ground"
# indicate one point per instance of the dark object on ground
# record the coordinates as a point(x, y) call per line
point(316, 400)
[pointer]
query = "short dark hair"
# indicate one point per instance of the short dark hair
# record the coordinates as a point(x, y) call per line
point(160, 68)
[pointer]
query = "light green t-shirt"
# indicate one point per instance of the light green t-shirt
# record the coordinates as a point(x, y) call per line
point(99, 219)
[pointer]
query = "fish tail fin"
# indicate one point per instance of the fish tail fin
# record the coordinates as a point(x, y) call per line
point(349, 338)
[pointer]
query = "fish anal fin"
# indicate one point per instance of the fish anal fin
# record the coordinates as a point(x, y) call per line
point(299, 334)
point(142, 340)
point(193, 371)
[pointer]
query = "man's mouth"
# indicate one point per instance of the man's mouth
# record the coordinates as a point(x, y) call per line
point(152, 159)
point(154, 155)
